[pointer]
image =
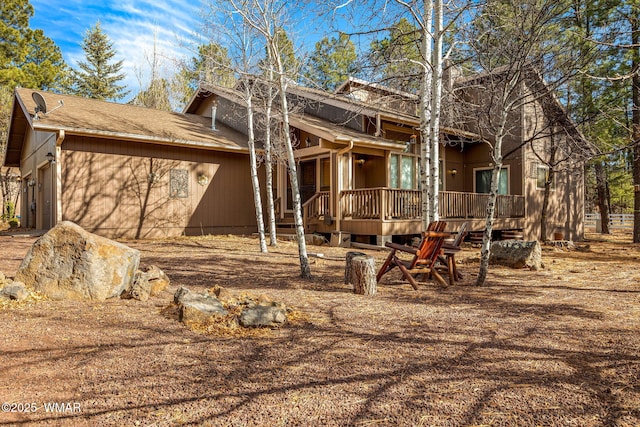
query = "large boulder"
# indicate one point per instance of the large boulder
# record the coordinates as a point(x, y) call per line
point(71, 263)
point(517, 254)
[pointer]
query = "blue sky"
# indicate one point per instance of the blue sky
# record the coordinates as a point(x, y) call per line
point(133, 25)
point(130, 25)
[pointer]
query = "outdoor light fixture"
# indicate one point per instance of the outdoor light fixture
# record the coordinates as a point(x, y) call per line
point(203, 179)
point(31, 182)
point(51, 158)
point(360, 162)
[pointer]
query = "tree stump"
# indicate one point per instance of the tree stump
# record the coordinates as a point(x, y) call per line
point(363, 275)
point(347, 267)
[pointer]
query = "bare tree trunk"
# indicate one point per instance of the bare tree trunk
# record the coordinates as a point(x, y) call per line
point(635, 40)
point(264, 18)
point(602, 189)
point(6, 196)
point(255, 183)
point(485, 249)
point(305, 269)
point(426, 185)
point(273, 241)
point(436, 100)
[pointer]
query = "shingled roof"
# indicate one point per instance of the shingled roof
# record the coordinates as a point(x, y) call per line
point(90, 117)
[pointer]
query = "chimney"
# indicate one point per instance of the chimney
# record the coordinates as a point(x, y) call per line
point(214, 108)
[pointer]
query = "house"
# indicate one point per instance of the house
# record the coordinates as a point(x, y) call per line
point(358, 161)
point(127, 171)
point(124, 171)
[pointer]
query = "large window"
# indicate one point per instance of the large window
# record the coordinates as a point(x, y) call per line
point(483, 180)
point(403, 172)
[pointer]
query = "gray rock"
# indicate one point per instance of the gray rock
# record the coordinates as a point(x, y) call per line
point(195, 307)
point(71, 263)
point(15, 291)
point(263, 315)
point(182, 292)
point(517, 254)
point(147, 283)
point(158, 280)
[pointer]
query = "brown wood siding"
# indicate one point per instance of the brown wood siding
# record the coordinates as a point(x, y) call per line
point(454, 159)
point(106, 189)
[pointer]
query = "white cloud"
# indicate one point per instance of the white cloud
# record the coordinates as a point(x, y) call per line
point(131, 25)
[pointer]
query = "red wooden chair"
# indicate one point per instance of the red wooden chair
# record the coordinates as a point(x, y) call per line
point(424, 256)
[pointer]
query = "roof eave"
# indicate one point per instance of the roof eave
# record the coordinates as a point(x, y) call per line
point(142, 138)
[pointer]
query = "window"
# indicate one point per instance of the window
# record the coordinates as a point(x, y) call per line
point(393, 182)
point(542, 175)
point(483, 181)
point(402, 172)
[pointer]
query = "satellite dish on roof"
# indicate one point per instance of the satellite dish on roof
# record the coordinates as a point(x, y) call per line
point(41, 104)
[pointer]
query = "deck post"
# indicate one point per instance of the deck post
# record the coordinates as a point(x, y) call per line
point(384, 208)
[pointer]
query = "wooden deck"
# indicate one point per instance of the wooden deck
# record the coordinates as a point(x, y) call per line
point(387, 211)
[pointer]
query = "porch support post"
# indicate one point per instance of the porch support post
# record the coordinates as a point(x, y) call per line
point(383, 204)
point(57, 217)
point(340, 164)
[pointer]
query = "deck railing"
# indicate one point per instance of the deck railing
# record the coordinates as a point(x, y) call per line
point(316, 206)
point(474, 205)
point(390, 203)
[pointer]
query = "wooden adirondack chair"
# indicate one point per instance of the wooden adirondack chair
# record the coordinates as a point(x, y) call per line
point(449, 251)
point(424, 256)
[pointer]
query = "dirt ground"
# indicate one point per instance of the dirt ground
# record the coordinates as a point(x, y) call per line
point(555, 347)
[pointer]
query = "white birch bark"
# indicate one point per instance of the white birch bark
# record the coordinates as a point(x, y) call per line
point(426, 185)
point(273, 240)
point(305, 270)
point(255, 182)
point(506, 106)
point(263, 17)
point(436, 101)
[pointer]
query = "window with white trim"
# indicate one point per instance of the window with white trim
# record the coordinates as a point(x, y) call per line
point(482, 178)
point(402, 172)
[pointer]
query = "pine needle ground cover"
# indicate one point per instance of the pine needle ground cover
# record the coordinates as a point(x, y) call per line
point(558, 346)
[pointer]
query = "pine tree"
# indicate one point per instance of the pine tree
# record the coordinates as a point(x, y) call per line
point(394, 60)
point(332, 62)
point(155, 96)
point(28, 58)
point(212, 65)
point(98, 77)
